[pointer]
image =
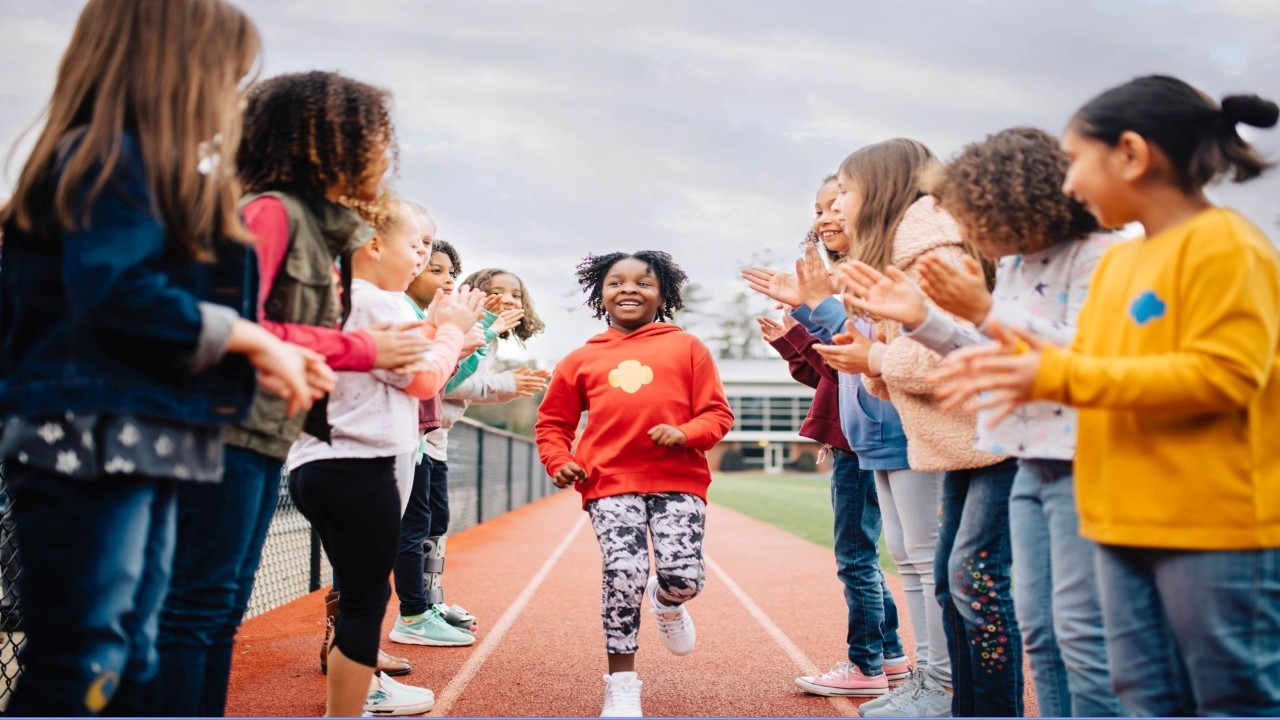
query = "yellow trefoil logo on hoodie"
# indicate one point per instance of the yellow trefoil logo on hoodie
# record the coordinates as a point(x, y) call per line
point(630, 376)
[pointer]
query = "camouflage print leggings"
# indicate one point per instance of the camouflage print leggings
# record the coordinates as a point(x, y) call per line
point(623, 524)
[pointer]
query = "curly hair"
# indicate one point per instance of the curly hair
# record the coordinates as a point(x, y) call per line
point(444, 246)
point(305, 133)
point(530, 324)
point(592, 270)
point(1006, 192)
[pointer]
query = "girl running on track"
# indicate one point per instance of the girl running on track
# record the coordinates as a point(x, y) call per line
point(123, 351)
point(654, 405)
point(1174, 368)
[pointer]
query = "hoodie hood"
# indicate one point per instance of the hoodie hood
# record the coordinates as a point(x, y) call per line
point(924, 227)
point(653, 329)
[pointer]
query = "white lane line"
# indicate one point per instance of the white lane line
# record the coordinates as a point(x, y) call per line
point(456, 686)
point(802, 661)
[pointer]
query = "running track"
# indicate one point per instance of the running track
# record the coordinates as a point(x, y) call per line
point(772, 609)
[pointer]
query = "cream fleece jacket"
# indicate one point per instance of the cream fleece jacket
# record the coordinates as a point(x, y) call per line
point(936, 440)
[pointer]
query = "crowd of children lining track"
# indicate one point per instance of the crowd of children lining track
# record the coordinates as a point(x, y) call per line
point(1065, 436)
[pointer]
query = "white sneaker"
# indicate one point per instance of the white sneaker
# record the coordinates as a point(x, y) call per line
point(675, 627)
point(393, 698)
point(927, 700)
point(910, 687)
point(622, 695)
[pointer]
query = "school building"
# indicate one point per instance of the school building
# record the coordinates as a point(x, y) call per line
point(768, 408)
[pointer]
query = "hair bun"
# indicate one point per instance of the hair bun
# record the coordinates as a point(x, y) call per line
point(1250, 110)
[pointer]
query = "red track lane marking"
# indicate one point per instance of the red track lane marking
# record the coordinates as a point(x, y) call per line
point(802, 661)
point(456, 686)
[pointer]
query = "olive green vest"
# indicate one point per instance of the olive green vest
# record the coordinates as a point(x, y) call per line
point(302, 293)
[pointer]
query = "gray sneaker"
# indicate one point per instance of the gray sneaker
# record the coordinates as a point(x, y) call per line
point(927, 700)
point(907, 688)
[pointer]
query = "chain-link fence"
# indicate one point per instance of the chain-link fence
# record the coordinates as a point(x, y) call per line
point(490, 472)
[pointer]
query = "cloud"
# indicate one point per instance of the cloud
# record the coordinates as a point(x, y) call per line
point(539, 132)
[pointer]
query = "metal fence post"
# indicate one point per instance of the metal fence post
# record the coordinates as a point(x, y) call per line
point(528, 471)
point(315, 560)
point(479, 476)
point(511, 498)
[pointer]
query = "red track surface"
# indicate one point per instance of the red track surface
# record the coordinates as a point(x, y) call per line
point(772, 609)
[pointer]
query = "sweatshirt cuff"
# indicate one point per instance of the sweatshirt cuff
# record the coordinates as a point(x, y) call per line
point(831, 315)
point(215, 332)
point(1050, 380)
point(937, 332)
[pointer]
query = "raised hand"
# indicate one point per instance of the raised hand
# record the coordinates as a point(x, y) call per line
point(890, 295)
point(530, 382)
point(771, 329)
point(961, 291)
point(850, 353)
point(570, 474)
point(397, 345)
point(1002, 372)
point(473, 341)
point(773, 284)
point(507, 319)
point(460, 309)
point(667, 435)
point(813, 281)
point(493, 303)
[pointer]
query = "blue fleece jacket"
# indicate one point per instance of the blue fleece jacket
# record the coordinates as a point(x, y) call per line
point(872, 425)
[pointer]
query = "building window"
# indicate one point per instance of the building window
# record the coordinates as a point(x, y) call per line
point(769, 414)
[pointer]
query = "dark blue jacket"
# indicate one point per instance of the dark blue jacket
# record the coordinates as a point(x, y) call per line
point(105, 319)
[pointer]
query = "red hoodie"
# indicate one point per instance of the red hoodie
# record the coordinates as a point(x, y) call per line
point(627, 383)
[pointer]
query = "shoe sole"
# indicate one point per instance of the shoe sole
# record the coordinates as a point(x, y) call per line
point(405, 639)
point(827, 691)
point(415, 709)
point(897, 676)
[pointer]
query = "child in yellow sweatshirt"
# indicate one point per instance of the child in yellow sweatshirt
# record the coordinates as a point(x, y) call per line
point(1174, 371)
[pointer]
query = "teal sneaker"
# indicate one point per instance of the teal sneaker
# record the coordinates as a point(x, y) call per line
point(430, 629)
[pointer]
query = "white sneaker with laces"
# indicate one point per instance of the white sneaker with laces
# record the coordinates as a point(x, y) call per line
point(622, 695)
point(910, 687)
point(393, 698)
point(675, 626)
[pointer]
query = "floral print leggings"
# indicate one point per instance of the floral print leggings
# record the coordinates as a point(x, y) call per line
point(623, 524)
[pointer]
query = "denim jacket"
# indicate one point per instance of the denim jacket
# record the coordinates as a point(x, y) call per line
point(103, 319)
point(872, 425)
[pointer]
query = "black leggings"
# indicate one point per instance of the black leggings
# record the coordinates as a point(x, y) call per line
point(355, 508)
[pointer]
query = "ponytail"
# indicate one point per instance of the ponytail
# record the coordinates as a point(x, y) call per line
point(1197, 134)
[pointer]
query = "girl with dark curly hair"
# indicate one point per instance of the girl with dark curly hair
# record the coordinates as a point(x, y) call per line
point(654, 406)
point(1005, 194)
point(314, 151)
point(1175, 369)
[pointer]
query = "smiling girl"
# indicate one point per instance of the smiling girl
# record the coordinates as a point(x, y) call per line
point(1174, 371)
point(654, 406)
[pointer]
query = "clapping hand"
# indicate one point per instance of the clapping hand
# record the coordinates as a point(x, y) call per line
point(890, 295)
point(961, 291)
point(774, 284)
point(1002, 373)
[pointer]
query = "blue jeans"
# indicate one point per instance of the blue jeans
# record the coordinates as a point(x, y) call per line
point(426, 516)
point(1055, 592)
point(975, 591)
point(873, 616)
point(1193, 632)
point(96, 559)
point(221, 530)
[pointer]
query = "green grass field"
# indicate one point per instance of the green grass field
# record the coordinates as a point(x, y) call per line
point(798, 504)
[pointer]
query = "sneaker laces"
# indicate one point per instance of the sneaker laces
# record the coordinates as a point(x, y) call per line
point(625, 694)
point(838, 672)
point(672, 622)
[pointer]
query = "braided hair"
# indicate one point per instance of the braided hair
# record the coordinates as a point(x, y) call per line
point(305, 133)
point(671, 279)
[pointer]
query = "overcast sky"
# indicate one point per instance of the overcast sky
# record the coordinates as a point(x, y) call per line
point(537, 132)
